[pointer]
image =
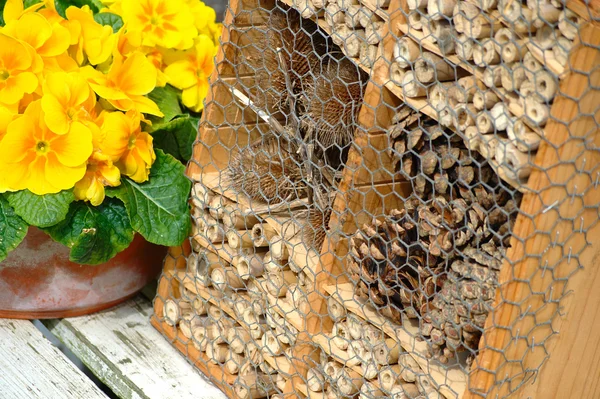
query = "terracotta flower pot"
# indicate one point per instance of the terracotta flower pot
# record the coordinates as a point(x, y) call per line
point(37, 280)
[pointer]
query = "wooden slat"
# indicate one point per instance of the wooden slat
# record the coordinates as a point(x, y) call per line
point(129, 356)
point(589, 10)
point(220, 106)
point(31, 367)
point(555, 235)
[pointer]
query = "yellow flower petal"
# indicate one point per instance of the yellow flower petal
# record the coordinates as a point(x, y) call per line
point(129, 165)
point(13, 54)
point(137, 75)
point(193, 98)
point(165, 23)
point(57, 44)
point(78, 88)
point(12, 10)
point(111, 175)
point(96, 193)
point(143, 144)
point(115, 135)
point(6, 116)
point(81, 187)
point(108, 93)
point(181, 74)
point(37, 181)
point(145, 105)
point(56, 85)
point(60, 63)
point(15, 174)
point(18, 140)
point(98, 40)
point(54, 114)
point(74, 148)
point(67, 99)
point(31, 28)
point(61, 176)
point(15, 87)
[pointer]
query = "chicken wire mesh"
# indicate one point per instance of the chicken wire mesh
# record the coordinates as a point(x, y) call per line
point(389, 197)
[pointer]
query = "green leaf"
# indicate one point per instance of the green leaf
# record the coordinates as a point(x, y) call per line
point(94, 233)
point(110, 19)
point(158, 208)
point(2, 4)
point(168, 102)
point(12, 228)
point(29, 3)
point(177, 137)
point(62, 5)
point(41, 210)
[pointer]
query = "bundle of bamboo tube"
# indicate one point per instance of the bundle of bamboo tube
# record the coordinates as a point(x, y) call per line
point(364, 362)
point(228, 344)
point(245, 268)
point(489, 70)
point(356, 28)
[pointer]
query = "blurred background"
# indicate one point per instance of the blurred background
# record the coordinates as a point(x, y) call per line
point(219, 6)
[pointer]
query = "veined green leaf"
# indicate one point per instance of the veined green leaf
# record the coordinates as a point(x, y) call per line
point(62, 5)
point(12, 228)
point(95, 234)
point(110, 19)
point(177, 137)
point(41, 210)
point(158, 208)
point(167, 99)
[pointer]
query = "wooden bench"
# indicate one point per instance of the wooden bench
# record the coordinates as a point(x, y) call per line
point(119, 346)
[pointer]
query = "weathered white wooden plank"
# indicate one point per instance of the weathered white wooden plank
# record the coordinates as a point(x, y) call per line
point(130, 356)
point(31, 367)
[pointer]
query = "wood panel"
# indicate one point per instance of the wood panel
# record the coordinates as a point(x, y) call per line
point(33, 368)
point(220, 106)
point(553, 254)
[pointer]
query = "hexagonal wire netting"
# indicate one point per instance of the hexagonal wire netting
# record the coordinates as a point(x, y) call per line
point(389, 196)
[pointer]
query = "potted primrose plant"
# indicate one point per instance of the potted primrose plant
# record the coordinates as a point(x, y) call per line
point(99, 105)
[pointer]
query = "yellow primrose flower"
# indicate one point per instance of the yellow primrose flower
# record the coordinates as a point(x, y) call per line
point(36, 159)
point(114, 134)
point(128, 42)
point(203, 15)
point(113, 6)
point(215, 32)
point(126, 83)
point(139, 153)
point(165, 23)
point(100, 172)
point(60, 63)
point(6, 116)
point(155, 56)
point(16, 77)
point(48, 40)
point(13, 9)
point(68, 100)
point(96, 40)
point(74, 28)
point(191, 74)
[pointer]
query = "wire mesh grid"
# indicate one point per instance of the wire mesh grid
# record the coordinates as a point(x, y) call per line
point(390, 198)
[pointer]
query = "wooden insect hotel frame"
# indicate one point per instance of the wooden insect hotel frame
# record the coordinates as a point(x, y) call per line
point(477, 139)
